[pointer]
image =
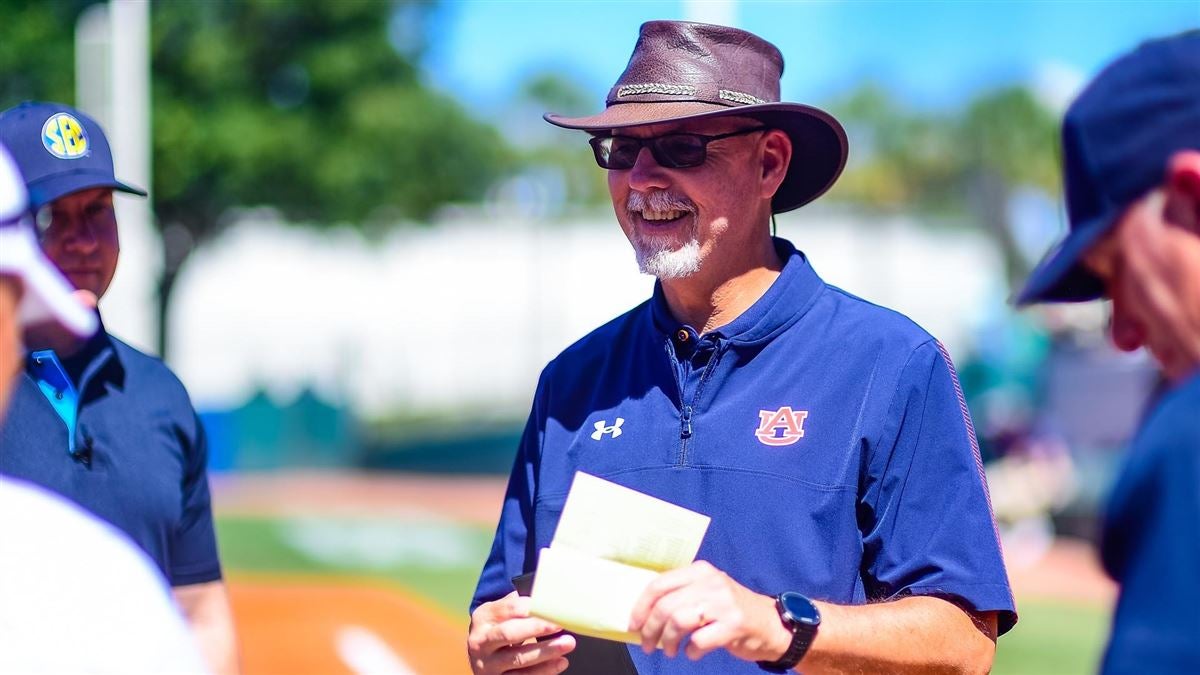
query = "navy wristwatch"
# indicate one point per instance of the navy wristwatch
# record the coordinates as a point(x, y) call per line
point(800, 616)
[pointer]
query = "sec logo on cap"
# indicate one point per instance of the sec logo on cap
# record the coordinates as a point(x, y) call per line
point(64, 137)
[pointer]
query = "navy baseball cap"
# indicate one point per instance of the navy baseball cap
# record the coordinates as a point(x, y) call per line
point(1117, 139)
point(59, 150)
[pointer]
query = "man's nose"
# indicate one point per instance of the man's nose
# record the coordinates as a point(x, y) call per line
point(81, 237)
point(646, 173)
point(1127, 332)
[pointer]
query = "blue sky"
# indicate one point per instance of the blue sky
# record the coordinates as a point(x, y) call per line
point(932, 54)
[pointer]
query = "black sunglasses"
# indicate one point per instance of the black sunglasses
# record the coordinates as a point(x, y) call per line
point(673, 151)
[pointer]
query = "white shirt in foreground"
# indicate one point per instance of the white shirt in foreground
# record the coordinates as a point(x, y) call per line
point(76, 596)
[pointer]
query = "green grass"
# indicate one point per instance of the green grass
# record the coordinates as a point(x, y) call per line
point(1052, 638)
point(265, 545)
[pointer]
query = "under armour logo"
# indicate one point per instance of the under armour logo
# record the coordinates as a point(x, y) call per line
point(603, 428)
point(780, 427)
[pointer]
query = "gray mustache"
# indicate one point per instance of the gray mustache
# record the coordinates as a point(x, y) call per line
point(659, 200)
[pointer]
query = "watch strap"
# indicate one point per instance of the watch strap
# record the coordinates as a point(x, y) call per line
point(802, 637)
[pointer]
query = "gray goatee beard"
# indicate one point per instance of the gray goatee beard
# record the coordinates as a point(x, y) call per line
point(664, 256)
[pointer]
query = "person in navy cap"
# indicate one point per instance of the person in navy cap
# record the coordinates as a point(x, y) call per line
point(99, 422)
point(826, 437)
point(1131, 163)
point(130, 624)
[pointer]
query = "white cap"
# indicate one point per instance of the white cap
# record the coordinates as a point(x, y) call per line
point(46, 295)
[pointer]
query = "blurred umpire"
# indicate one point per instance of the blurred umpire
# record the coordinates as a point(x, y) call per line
point(129, 622)
point(99, 422)
point(1131, 154)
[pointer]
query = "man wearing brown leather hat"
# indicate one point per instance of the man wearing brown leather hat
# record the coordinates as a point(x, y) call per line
point(826, 437)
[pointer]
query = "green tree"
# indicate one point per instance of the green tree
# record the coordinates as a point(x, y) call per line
point(1009, 140)
point(561, 150)
point(898, 158)
point(316, 109)
point(968, 162)
point(37, 53)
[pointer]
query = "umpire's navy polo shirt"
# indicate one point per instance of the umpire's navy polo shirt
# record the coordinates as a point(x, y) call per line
point(135, 456)
point(1151, 542)
point(826, 437)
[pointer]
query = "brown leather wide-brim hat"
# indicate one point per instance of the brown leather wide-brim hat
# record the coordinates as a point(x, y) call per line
point(684, 71)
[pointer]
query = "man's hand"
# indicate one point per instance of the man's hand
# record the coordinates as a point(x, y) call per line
point(717, 611)
point(503, 640)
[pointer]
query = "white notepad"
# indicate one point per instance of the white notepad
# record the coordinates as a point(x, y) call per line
point(610, 543)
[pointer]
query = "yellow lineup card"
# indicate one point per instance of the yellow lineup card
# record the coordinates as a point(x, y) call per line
point(610, 543)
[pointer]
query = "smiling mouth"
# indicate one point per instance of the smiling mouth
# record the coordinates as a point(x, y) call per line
point(658, 208)
point(660, 218)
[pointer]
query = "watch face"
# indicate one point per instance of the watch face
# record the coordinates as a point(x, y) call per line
point(800, 609)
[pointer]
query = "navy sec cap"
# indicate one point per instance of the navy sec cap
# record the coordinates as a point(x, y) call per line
point(59, 150)
point(1117, 139)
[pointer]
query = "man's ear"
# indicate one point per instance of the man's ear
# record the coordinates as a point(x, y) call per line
point(776, 157)
point(1183, 190)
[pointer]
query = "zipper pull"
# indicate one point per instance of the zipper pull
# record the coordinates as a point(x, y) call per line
point(685, 429)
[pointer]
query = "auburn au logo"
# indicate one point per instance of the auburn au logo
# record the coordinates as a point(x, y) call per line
point(780, 427)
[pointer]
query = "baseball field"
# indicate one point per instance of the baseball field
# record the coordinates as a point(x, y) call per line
point(340, 573)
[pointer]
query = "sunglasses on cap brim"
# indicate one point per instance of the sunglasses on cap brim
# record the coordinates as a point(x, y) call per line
point(673, 151)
